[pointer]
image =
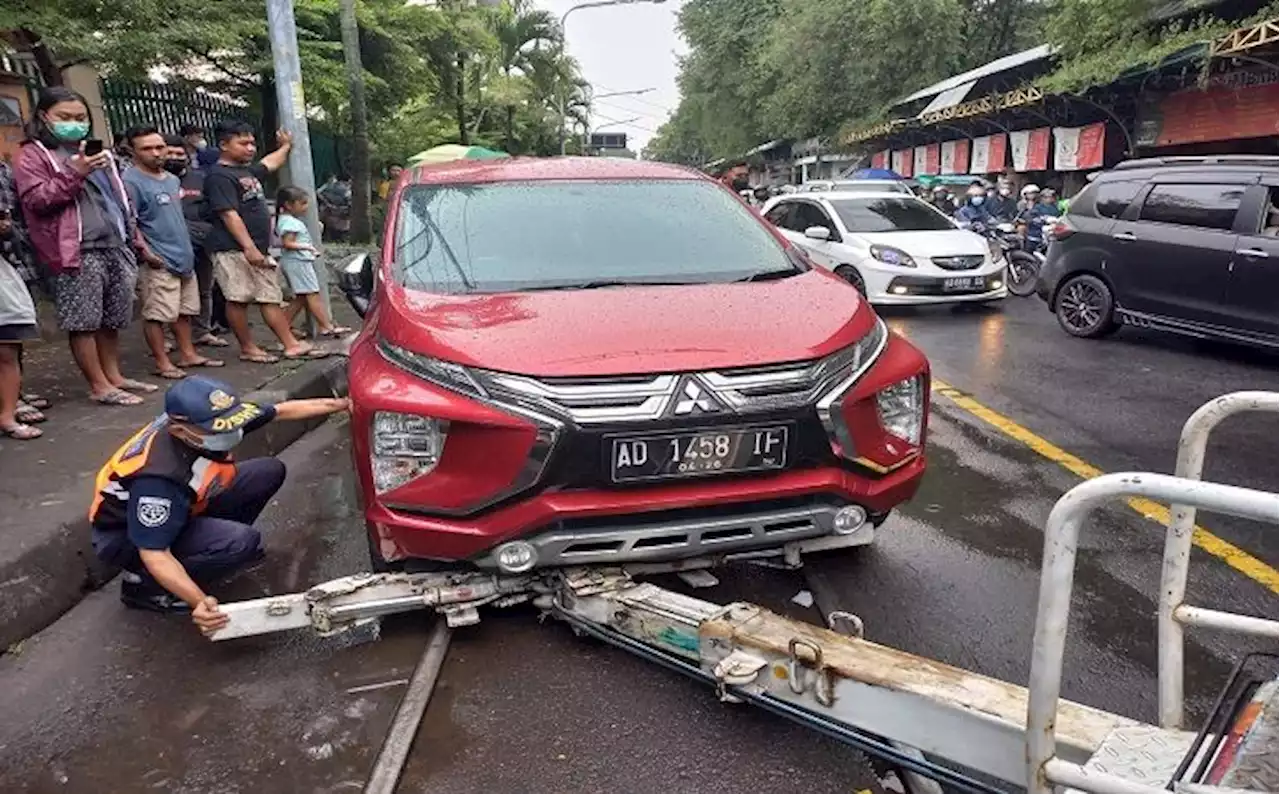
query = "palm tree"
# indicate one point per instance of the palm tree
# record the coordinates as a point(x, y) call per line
point(521, 30)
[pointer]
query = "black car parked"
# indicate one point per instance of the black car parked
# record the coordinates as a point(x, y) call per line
point(1183, 244)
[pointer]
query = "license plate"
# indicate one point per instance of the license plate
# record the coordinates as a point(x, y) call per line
point(962, 283)
point(698, 453)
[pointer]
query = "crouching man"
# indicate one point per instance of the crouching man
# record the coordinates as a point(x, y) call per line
point(175, 511)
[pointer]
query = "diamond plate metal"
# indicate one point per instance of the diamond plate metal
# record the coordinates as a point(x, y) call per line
point(1254, 766)
point(1144, 754)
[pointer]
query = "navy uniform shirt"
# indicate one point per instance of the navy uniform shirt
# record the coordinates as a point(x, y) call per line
point(159, 508)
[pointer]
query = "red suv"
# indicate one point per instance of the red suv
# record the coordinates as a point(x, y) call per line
point(600, 361)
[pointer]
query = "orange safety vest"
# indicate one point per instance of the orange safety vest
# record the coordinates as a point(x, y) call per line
point(153, 452)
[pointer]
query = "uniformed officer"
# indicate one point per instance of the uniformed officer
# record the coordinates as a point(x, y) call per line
point(175, 511)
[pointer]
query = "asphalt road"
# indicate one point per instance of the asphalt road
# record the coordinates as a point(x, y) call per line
point(109, 700)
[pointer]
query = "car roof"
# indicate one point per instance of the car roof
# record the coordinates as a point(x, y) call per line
point(850, 194)
point(540, 169)
point(1147, 167)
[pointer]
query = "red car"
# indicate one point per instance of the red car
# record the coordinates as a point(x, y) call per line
point(600, 361)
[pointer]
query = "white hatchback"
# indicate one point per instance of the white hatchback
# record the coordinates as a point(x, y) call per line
point(896, 249)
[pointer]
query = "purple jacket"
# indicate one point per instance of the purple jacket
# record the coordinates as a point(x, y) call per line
point(48, 193)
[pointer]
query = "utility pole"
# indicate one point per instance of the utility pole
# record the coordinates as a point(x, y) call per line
point(360, 190)
point(293, 117)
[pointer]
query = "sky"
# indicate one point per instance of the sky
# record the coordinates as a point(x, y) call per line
point(626, 48)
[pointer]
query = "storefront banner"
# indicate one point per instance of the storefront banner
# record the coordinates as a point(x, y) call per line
point(903, 160)
point(988, 154)
point(955, 156)
point(1078, 148)
point(880, 159)
point(1030, 149)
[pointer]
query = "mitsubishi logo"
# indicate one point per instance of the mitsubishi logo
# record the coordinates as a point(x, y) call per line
point(694, 399)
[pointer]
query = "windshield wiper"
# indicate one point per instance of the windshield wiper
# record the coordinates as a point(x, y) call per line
point(603, 283)
point(771, 275)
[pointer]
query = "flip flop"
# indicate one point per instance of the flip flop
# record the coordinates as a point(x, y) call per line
point(336, 332)
point(21, 432)
point(309, 354)
point(210, 340)
point(129, 384)
point(204, 362)
point(260, 358)
point(117, 397)
point(170, 374)
point(28, 414)
point(36, 401)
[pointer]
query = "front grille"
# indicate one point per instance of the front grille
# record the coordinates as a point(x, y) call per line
point(967, 262)
point(638, 538)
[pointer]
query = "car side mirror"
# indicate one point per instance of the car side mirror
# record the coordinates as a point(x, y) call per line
point(355, 279)
point(821, 233)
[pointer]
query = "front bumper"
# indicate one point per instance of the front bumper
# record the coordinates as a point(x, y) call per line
point(569, 502)
point(909, 290)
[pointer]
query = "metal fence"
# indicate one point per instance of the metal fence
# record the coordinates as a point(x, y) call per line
point(165, 106)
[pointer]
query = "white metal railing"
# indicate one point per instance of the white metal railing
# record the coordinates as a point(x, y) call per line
point(1062, 535)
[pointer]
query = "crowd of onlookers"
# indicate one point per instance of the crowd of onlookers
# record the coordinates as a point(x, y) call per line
point(176, 222)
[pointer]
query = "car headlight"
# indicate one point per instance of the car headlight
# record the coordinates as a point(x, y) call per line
point(405, 447)
point(901, 409)
point(830, 406)
point(892, 256)
point(442, 373)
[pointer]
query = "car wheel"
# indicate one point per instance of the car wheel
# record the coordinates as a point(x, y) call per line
point(1085, 307)
point(850, 274)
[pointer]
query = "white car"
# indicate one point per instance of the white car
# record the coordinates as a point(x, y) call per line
point(896, 249)
point(855, 186)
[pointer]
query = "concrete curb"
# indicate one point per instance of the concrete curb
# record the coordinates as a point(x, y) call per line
point(54, 572)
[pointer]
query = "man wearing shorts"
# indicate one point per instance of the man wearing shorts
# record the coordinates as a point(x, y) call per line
point(236, 205)
point(167, 280)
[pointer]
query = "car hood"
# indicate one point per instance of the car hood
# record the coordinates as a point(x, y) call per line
point(944, 242)
point(631, 330)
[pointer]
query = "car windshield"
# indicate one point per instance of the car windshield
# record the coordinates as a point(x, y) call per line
point(516, 236)
point(906, 214)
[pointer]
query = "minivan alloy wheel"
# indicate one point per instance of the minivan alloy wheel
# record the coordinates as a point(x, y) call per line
point(1085, 307)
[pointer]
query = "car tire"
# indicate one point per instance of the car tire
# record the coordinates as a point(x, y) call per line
point(1027, 268)
point(1085, 307)
point(850, 274)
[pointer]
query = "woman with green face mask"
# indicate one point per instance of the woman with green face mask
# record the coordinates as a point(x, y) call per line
point(82, 228)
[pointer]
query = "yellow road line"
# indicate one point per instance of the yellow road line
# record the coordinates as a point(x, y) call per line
point(1232, 555)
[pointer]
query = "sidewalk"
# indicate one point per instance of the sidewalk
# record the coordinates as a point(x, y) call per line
point(46, 561)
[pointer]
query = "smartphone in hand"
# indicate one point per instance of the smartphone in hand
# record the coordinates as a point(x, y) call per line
point(92, 146)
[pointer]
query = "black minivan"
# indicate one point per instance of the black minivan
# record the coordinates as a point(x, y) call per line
point(1183, 244)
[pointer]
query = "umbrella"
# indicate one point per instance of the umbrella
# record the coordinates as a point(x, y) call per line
point(449, 152)
point(874, 173)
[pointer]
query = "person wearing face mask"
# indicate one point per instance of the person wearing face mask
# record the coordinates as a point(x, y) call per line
point(82, 227)
point(191, 184)
point(973, 213)
point(1001, 204)
point(175, 510)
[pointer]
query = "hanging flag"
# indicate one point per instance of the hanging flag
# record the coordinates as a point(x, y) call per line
point(1030, 149)
point(997, 155)
point(880, 159)
point(955, 157)
point(921, 164)
point(903, 160)
point(931, 158)
point(981, 154)
point(1078, 148)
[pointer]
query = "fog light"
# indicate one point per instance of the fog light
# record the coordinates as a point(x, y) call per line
point(995, 284)
point(516, 557)
point(899, 290)
point(848, 520)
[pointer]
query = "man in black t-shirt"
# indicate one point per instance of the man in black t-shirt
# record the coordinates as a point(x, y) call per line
point(240, 237)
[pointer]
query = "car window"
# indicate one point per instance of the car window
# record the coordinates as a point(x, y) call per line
point(778, 215)
point(1206, 206)
point(905, 214)
point(513, 236)
point(1271, 222)
point(1113, 198)
point(811, 215)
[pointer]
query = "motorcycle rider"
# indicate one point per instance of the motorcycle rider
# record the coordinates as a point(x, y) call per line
point(1030, 193)
point(973, 214)
point(1037, 215)
point(1001, 204)
point(941, 199)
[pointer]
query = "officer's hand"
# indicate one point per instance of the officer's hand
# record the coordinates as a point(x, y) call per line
point(207, 617)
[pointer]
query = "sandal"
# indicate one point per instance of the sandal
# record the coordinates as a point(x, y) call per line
point(310, 354)
point(21, 432)
point(116, 397)
point(259, 358)
point(202, 362)
point(36, 401)
point(129, 384)
point(210, 340)
point(170, 374)
point(28, 414)
point(336, 332)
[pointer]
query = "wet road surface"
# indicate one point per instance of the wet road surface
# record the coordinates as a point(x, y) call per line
point(109, 700)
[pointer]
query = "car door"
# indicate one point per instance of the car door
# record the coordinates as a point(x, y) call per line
point(1173, 260)
point(826, 253)
point(1255, 268)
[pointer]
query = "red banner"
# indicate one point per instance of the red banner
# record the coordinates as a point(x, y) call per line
point(1030, 149)
point(880, 159)
point(932, 158)
point(955, 157)
point(1219, 114)
point(902, 163)
point(997, 153)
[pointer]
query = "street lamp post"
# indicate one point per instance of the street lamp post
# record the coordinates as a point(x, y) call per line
point(563, 41)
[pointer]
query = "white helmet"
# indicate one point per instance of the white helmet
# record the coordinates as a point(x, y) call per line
point(1027, 190)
